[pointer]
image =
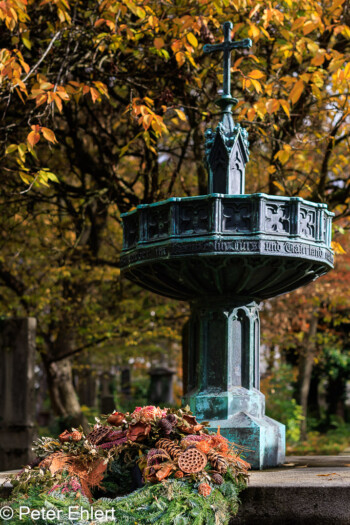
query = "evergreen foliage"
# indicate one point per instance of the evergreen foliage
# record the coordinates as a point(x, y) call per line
point(170, 503)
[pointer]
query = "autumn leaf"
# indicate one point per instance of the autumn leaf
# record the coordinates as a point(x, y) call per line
point(46, 85)
point(58, 102)
point(251, 114)
point(41, 99)
point(318, 59)
point(11, 149)
point(33, 138)
point(62, 93)
point(94, 94)
point(285, 106)
point(337, 247)
point(272, 105)
point(254, 32)
point(180, 58)
point(256, 85)
point(158, 43)
point(49, 134)
point(192, 40)
point(278, 185)
point(146, 121)
point(181, 114)
point(283, 154)
point(296, 92)
point(309, 27)
point(256, 74)
point(25, 40)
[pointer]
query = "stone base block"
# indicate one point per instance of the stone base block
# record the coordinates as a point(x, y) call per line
point(263, 438)
point(16, 447)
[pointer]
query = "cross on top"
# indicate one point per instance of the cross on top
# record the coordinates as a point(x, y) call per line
point(226, 46)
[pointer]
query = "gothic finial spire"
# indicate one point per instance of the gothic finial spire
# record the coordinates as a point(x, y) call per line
point(227, 101)
point(227, 150)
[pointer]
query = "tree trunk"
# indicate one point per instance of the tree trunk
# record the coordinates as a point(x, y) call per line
point(336, 396)
point(313, 402)
point(64, 399)
point(305, 370)
point(63, 396)
point(270, 360)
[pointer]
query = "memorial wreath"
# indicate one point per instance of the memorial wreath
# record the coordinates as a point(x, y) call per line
point(154, 465)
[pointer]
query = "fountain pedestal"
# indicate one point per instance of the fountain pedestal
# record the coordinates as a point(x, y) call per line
point(223, 378)
point(224, 254)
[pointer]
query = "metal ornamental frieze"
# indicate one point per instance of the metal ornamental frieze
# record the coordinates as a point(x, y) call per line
point(225, 252)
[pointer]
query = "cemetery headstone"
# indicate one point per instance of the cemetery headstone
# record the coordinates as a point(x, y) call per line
point(125, 380)
point(107, 403)
point(161, 386)
point(17, 406)
point(87, 387)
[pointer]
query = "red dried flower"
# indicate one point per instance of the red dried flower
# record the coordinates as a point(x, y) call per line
point(116, 419)
point(65, 436)
point(149, 412)
point(139, 431)
point(192, 425)
point(76, 436)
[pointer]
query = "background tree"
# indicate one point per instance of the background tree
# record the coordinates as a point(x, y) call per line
point(103, 107)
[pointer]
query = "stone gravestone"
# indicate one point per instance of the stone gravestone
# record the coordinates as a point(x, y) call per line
point(107, 403)
point(87, 387)
point(17, 406)
point(161, 386)
point(125, 382)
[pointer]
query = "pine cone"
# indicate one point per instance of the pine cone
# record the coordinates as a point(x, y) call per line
point(204, 489)
point(170, 447)
point(157, 455)
point(165, 426)
point(217, 461)
point(217, 478)
point(171, 418)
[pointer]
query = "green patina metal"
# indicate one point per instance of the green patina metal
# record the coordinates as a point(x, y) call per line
point(227, 150)
point(224, 253)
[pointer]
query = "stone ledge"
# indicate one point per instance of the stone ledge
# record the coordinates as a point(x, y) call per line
point(309, 490)
point(5, 486)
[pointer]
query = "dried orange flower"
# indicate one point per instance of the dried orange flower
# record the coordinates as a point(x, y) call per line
point(203, 446)
point(204, 489)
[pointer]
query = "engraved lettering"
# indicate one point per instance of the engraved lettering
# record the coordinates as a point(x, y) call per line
point(272, 246)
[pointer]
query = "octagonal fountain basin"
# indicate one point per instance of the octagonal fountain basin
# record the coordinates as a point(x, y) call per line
point(239, 246)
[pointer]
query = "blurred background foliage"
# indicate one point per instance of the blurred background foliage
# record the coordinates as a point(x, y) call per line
point(103, 106)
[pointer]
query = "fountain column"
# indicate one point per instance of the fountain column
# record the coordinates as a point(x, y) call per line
point(223, 378)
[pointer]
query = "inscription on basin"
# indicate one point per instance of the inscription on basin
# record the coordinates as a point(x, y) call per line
point(283, 248)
